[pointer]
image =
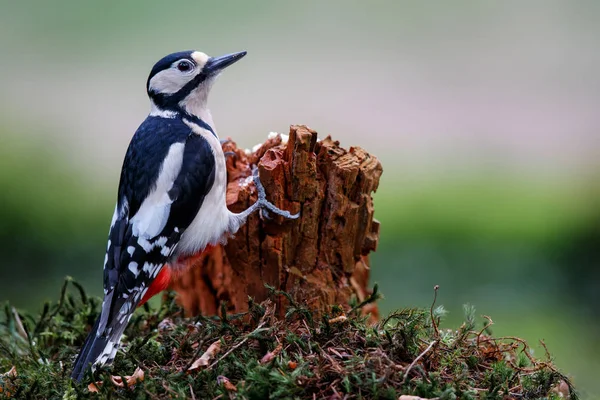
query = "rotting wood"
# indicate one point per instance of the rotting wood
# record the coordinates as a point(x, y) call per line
point(322, 258)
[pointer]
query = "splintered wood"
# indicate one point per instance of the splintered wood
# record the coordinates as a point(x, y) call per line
point(321, 258)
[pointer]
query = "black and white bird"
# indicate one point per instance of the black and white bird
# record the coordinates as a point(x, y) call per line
point(171, 196)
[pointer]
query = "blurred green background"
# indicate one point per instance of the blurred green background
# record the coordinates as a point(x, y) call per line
point(485, 115)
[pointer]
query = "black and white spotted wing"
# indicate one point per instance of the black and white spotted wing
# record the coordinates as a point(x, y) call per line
point(166, 174)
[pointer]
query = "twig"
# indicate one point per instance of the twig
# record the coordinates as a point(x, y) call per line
point(61, 301)
point(537, 365)
point(19, 325)
point(484, 328)
point(435, 328)
point(412, 364)
point(244, 340)
point(269, 310)
point(548, 357)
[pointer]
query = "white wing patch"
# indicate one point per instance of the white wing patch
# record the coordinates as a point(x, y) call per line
point(145, 244)
point(149, 268)
point(153, 214)
point(148, 246)
point(152, 219)
point(133, 267)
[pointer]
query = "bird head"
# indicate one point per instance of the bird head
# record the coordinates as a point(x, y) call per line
point(183, 80)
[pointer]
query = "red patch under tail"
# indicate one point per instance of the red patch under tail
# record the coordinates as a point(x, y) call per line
point(160, 283)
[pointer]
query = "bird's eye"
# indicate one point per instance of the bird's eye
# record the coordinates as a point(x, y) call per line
point(184, 66)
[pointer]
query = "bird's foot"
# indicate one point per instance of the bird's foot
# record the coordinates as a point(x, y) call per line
point(265, 205)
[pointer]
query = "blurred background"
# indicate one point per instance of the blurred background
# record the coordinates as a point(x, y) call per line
point(485, 115)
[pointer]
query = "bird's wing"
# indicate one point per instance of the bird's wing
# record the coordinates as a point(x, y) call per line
point(157, 202)
point(167, 172)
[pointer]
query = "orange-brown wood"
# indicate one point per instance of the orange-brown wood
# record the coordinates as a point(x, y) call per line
point(321, 258)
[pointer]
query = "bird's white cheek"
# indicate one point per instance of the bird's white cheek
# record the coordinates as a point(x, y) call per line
point(169, 81)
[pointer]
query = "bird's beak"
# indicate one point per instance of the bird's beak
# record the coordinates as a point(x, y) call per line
point(216, 64)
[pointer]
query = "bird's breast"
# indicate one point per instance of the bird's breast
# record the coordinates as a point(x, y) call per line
point(213, 218)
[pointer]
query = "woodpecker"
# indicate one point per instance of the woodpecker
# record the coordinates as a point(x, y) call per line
point(171, 196)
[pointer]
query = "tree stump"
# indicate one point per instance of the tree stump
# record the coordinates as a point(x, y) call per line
point(321, 258)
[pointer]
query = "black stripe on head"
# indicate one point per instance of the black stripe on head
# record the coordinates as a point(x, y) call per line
point(166, 62)
point(171, 101)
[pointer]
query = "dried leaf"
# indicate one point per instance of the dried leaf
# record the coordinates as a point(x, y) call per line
point(208, 355)
point(12, 373)
point(138, 376)
point(226, 383)
point(337, 319)
point(562, 390)
point(8, 386)
point(292, 364)
point(342, 355)
point(166, 325)
point(271, 355)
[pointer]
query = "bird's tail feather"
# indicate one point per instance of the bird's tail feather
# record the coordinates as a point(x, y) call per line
point(97, 350)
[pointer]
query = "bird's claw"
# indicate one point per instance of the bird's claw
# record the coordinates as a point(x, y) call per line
point(265, 205)
point(264, 214)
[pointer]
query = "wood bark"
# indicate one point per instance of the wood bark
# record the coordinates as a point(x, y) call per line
point(321, 258)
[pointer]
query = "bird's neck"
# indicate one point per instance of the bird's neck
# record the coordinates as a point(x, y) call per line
point(195, 104)
point(199, 111)
point(194, 111)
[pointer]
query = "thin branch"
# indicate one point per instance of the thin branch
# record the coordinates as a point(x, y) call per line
point(269, 311)
point(412, 364)
point(435, 328)
point(244, 340)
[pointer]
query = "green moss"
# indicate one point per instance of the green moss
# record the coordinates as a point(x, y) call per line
point(313, 357)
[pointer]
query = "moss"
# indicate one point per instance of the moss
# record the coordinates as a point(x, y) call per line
point(406, 353)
